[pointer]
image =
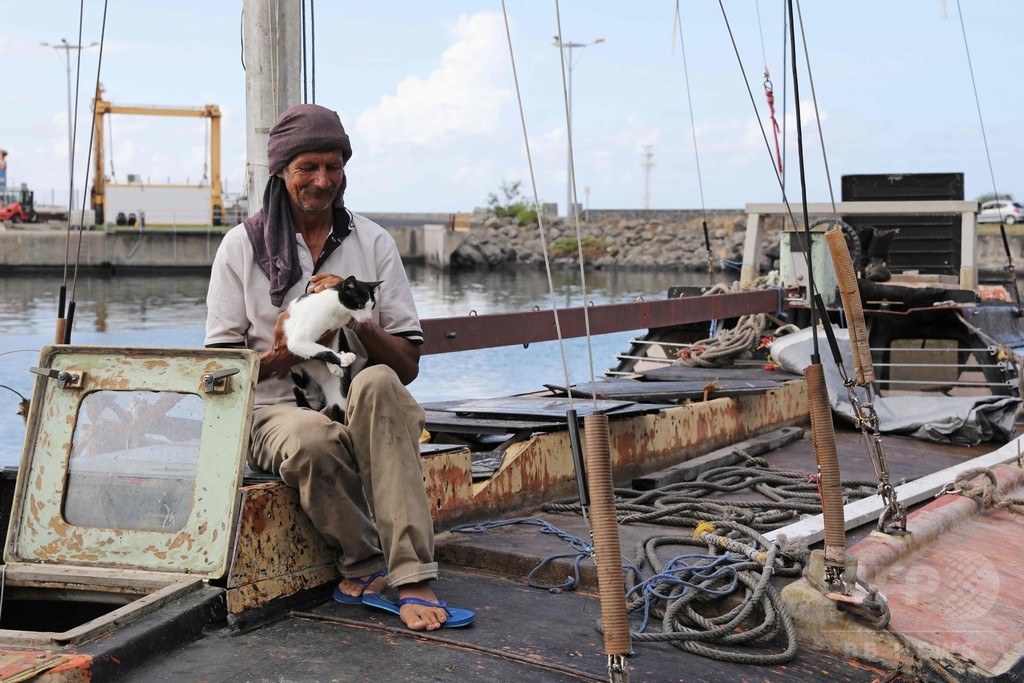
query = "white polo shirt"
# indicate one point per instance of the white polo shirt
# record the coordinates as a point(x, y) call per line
point(239, 311)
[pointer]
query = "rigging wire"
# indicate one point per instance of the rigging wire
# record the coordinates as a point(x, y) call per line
point(88, 163)
point(977, 104)
point(785, 89)
point(305, 72)
point(816, 356)
point(71, 197)
point(817, 113)
point(312, 49)
point(241, 38)
point(575, 207)
point(696, 154)
point(988, 155)
point(760, 31)
point(536, 203)
point(757, 116)
point(308, 68)
point(769, 90)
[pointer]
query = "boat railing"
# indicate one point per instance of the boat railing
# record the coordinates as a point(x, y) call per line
point(967, 210)
point(466, 333)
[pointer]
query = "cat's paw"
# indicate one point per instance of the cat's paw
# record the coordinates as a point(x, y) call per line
point(336, 370)
point(347, 359)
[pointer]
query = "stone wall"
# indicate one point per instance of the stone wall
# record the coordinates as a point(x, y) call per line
point(628, 243)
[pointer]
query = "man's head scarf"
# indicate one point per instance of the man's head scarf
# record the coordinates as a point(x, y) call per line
point(302, 128)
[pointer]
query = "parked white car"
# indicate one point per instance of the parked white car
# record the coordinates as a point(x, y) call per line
point(1001, 210)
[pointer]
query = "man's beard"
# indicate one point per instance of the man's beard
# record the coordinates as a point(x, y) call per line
point(305, 207)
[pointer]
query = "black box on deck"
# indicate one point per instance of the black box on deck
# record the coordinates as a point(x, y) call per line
point(927, 244)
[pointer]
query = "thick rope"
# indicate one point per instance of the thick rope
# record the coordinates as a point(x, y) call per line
point(736, 557)
point(731, 532)
point(729, 344)
point(986, 491)
point(686, 504)
point(685, 594)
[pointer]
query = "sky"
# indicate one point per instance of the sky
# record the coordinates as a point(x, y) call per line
point(427, 94)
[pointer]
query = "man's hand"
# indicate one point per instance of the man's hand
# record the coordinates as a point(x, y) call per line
point(322, 281)
point(277, 358)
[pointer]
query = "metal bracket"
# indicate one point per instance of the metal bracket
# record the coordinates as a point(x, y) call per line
point(217, 382)
point(65, 379)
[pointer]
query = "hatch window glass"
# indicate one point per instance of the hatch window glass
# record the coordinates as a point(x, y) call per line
point(133, 460)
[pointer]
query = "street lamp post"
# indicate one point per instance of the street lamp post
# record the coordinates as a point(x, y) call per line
point(570, 46)
point(64, 45)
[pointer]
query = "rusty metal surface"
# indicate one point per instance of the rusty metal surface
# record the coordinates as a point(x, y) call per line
point(255, 595)
point(275, 538)
point(448, 478)
point(541, 469)
point(444, 335)
point(40, 532)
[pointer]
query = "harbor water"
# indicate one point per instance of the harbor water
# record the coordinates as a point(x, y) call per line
point(170, 311)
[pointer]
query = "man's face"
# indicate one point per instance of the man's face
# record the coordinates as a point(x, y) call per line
point(313, 180)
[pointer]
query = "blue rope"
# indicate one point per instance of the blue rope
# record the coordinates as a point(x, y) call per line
point(583, 549)
point(678, 578)
point(730, 263)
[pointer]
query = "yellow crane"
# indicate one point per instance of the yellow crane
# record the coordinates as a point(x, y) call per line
point(210, 111)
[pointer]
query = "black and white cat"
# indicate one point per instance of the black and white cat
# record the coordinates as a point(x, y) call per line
point(311, 317)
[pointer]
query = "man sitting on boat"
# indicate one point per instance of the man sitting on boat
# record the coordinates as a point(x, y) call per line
point(360, 482)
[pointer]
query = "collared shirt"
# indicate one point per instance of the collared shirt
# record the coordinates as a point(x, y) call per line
point(239, 311)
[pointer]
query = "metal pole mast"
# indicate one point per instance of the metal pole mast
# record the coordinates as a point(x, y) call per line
point(67, 47)
point(570, 46)
point(647, 166)
point(272, 32)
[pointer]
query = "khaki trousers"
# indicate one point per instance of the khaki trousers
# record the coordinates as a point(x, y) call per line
point(362, 483)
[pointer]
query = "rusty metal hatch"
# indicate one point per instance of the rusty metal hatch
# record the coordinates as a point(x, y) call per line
point(128, 487)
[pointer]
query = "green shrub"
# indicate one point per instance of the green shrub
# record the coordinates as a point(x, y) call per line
point(593, 248)
point(511, 204)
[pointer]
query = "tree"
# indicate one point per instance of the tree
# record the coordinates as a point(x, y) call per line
point(511, 204)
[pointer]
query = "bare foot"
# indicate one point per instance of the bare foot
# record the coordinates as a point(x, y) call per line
point(421, 617)
point(355, 587)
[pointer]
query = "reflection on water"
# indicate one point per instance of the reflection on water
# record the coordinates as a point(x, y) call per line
point(166, 311)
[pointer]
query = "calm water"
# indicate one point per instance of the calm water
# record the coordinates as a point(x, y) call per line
point(171, 311)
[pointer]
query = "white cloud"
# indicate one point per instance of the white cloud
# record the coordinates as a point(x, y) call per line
point(459, 98)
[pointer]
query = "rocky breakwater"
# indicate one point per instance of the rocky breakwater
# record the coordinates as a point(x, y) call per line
point(610, 244)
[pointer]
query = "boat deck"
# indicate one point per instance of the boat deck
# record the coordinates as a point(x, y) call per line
point(520, 631)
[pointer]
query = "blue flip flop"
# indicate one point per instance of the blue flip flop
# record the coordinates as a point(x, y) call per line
point(457, 618)
point(365, 583)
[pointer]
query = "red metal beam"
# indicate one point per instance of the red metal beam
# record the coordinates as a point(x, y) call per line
point(464, 333)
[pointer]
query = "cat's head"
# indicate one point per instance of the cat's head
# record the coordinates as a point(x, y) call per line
point(357, 296)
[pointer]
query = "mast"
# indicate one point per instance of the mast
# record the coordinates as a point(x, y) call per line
point(272, 55)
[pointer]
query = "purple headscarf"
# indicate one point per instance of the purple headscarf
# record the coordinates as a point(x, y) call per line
point(302, 128)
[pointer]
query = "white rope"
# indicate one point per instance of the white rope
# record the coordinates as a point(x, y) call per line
point(536, 204)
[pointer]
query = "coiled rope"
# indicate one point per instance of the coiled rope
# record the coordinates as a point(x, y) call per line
point(736, 558)
point(735, 561)
point(686, 504)
point(680, 593)
point(729, 344)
